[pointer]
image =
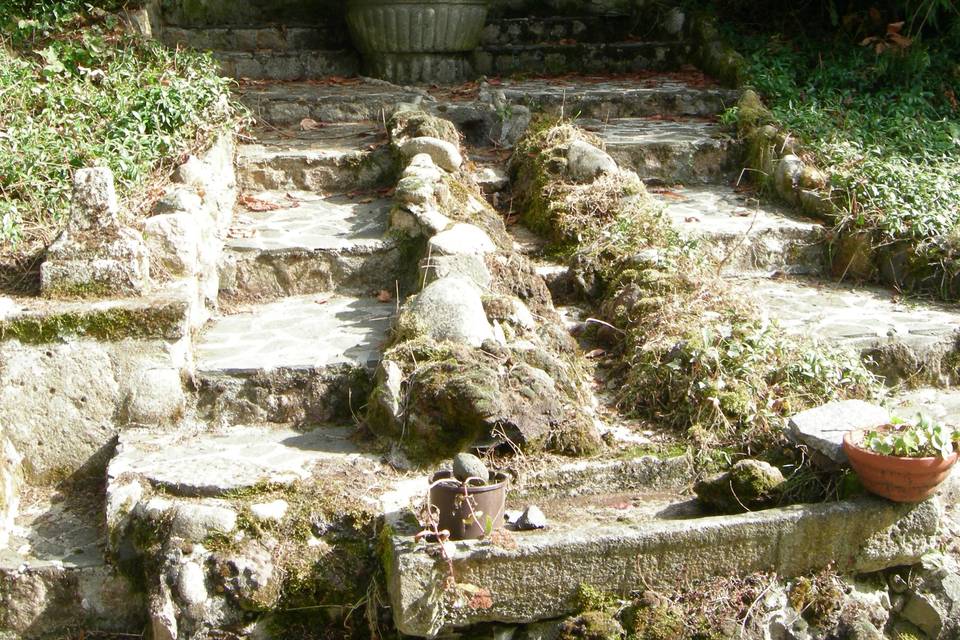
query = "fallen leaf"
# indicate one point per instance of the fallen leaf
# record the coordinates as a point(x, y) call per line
point(309, 124)
point(384, 296)
point(257, 204)
point(597, 353)
point(691, 219)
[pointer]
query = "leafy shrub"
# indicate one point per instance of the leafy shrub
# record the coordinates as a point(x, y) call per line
point(76, 91)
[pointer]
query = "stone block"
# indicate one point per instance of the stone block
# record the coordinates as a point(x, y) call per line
point(822, 428)
point(539, 577)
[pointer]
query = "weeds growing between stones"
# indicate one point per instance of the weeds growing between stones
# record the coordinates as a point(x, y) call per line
point(694, 355)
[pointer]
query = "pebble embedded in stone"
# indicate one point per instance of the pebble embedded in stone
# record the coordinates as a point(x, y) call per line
point(467, 465)
point(192, 584)
point(533, 518)
point(270, 511)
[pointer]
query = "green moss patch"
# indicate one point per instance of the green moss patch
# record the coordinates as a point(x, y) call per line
point(162, 321)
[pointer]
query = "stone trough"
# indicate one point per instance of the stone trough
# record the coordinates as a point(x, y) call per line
point(633, 539)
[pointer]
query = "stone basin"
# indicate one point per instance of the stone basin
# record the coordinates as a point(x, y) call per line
point(629, 540)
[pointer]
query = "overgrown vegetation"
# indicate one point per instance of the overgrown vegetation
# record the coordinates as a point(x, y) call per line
point(77, 90)
point(695, 355)
point(870, 89)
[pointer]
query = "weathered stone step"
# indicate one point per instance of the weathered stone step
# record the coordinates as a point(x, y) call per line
point(54, 578)
point(545, 29)
point(303, 64)
point(578, 57)
point(244, 13)
point(670, 151)
point(942, 404)
point(340, 157)
point(221, 463)
point(602, 98)
point(905, 341)
point(630, 542)
point(258, 38)
point(310, 244)
point(300, 359)
point(354, 100)
point(742, 235)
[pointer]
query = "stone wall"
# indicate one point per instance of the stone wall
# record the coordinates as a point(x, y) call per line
point(74, 371)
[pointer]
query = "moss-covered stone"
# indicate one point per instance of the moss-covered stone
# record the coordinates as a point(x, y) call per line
point(407, 124)
point(591, 625)
point(748, 485)
point(162, 321)
point(657, 621)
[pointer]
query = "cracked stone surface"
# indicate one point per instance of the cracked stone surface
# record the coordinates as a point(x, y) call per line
point(943, 404)
point(743, 233)
point(310, 221)
point(904, 338)
point(684, 151)
point(297, 332)
point(212, 464)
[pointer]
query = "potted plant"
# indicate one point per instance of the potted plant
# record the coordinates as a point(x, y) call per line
point(408, 41)
point(468, 509)
point(903, 461)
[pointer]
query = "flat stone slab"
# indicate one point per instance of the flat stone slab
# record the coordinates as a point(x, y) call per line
point(337, 157)
point(744, 234)
point(822, 428)
point(942, 404)
point(604, 98)
point(308, 221)
point(217, 463)
point(303, 64)
point(301, 332)
point(54, 577)
point(626, 543)
point(670, 151)
point(905, 339)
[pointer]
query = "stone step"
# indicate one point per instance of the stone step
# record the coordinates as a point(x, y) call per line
point(670, 151)
point(904, 341)
point(258, 38)
point(221, 463)
point(342, 157)
point(54, 578)
point(676, 94)
point(742, 235)
point(311, 244)
point(637, 541)
point(300, 359)
point(578, 57)
point(532, 30)
point(247, 13)
point(303, 64)
point(939, 403)
point(334, 100)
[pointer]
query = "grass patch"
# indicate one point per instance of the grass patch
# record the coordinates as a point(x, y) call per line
point(885, 121)
point(77, 91)
point(695, 355)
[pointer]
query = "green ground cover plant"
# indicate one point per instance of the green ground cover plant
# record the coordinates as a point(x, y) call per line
point(77, 90)
point(872, 94)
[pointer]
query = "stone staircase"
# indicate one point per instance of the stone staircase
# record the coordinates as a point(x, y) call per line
point(309, 286)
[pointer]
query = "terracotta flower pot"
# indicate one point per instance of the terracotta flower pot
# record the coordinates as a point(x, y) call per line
point(417, 40)
point(898, 479)
point(455, 513)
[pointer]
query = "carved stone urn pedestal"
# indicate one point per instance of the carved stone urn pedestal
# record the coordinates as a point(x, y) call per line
point(412, 41)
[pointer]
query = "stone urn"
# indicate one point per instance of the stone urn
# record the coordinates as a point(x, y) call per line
point(410, 41)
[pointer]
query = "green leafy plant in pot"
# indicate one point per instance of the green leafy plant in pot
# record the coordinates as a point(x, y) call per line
point(904, 461)
point(409, 41)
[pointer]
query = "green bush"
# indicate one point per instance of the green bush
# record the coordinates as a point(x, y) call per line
point(76, 91)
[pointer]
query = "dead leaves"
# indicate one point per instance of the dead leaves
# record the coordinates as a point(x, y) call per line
point(892, 40)
point(262, 205)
